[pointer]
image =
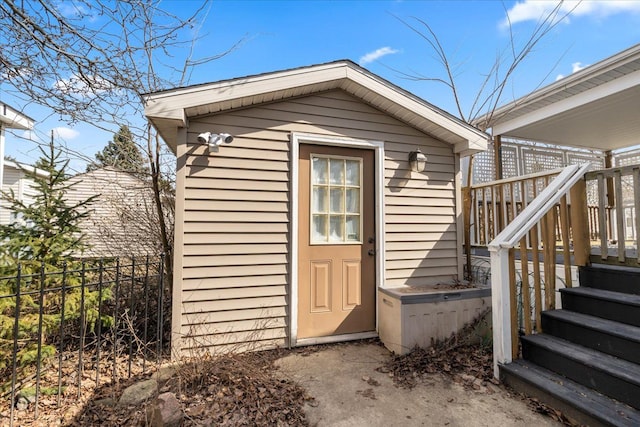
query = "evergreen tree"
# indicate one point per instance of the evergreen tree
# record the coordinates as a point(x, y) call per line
point(33, 250)
point(47, 230)
point(121, 153)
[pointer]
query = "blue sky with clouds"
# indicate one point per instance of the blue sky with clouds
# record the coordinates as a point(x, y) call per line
point(287, 34)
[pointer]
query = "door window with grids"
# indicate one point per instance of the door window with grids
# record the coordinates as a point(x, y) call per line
point(336, 202)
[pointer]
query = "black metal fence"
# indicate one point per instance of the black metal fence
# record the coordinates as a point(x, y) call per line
point(85, 324)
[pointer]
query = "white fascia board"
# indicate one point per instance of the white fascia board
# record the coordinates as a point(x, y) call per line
point(171, 104)
point(467, 148)
point(618, 85)
point(13, 119)
point(473, 136)
point(24, 167)
point(573, 80)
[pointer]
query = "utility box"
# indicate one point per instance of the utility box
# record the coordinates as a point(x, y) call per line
point(410, 317)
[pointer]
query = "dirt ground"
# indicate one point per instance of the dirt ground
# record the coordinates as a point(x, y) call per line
point(348, 384)
point(349, 391)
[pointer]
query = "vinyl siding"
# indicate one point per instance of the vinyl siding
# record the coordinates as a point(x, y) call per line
point(235, 233)
point(17, 181)
point(121, 218)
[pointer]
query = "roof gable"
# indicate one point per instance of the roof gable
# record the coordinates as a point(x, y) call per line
point(169, 110)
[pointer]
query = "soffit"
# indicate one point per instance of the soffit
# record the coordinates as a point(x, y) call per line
point(596, 108)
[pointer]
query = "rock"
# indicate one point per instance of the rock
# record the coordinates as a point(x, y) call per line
point(25, 397)
point(139, 392)
point(28, 393)
point(164, 373)
point(22, 403)
point(165, 411)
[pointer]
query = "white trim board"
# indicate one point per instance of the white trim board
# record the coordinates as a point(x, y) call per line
point(305, 138)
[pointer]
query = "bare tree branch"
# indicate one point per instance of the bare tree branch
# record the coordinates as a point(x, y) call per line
point(91, 60)
point(490, 93)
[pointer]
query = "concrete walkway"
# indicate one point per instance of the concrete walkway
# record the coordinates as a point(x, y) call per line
point(348, 391)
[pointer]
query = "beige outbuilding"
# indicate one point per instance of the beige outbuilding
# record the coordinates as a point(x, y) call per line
point(304, 198)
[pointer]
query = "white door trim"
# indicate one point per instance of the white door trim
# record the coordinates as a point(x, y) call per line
point(378, 147)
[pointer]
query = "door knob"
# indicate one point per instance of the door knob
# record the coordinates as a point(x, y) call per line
point(372, 252)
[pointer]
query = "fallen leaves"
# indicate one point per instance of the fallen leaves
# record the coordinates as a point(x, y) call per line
point(459, 354)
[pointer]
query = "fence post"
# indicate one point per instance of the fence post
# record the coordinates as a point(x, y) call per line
point(115, 322)
point(63, 289)
point(100, 279)
point(160, 309)
point(580, 223)
point(82, 328)
point(500, 307)
point(131, 316)
point(466, 214)
point(146, 313)
point(39, 351)
point(16, 331)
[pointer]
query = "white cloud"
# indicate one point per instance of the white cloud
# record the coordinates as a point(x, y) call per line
point(12, 73)
point(72, 9)
point(533, 10)
point(65, 133)
point(31, 136)
point(377, 54)
point(575, 67)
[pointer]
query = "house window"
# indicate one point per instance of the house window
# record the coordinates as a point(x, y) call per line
point(336, 202)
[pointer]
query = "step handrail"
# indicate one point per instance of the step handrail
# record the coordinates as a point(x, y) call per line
point(539, 206)
point(502, 273)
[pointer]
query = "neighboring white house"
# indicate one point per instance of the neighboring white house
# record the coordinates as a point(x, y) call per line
point(122, 219)
point(10, 118)
point(15, 178)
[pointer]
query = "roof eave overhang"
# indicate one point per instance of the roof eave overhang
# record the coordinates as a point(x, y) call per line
point(169, 110)
point(592, 95)
point(586, 75)
point(11, 118)
point(28, 168)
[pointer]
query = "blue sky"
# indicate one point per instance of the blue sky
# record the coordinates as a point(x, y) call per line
point(287, 34)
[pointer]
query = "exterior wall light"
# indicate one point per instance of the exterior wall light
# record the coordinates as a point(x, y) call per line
point(213, 140)
point(417, 161)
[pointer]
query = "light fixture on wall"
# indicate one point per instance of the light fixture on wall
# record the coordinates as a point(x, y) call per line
point(417, 161)
point(213, 140)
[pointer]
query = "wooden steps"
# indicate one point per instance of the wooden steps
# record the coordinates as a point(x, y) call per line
point(587, 360)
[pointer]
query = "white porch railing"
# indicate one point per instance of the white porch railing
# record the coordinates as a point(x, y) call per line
point(539, 218)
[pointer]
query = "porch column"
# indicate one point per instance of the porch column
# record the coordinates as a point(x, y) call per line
point(497, 161)
point(608, 163)
point(500, 308)
point(497, 156)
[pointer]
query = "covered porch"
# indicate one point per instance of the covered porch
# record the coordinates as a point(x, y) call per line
point(542, 227)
